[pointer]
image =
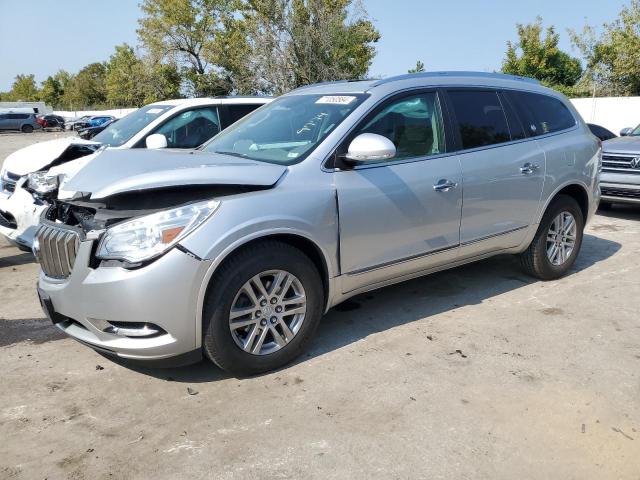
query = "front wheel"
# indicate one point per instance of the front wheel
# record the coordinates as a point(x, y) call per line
point(262, 309)
point(557, 242)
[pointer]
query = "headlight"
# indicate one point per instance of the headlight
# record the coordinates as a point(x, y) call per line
point(147, 237)
point(41, 182)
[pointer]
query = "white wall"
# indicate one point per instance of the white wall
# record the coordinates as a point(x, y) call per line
point(613, 113)
point(117, 112)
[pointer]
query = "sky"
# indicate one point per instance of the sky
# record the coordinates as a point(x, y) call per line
point(43, 36)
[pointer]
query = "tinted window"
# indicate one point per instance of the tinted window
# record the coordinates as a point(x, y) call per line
point(543, 114)
point(413, 124)
point(191, 129)
point(18, 116)
point(480, 117)
point(3, 116)
point(236, 112)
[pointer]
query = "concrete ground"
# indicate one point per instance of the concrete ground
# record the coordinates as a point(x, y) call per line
point(478, 372)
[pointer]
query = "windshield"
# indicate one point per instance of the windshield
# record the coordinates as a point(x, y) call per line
point(286, 130)
point(635, 132)
point(121, 131)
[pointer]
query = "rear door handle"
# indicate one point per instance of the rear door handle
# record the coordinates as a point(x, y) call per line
point(444, 185)
point(529, 168)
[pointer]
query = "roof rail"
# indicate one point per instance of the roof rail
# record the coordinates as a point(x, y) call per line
point(502, 76)
point(221, 97)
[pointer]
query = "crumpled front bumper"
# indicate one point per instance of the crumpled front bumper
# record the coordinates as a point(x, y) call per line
point(25, 211)
point(162, 294)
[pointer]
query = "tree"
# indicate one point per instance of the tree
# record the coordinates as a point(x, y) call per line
point(87, 88)
point(162, 81)
point(297, 42)
point(51, 91)
point(24, 89)
point(540, 58)
point(418, 68)
point(124, 79)
point(186, 33)
point(613, 57)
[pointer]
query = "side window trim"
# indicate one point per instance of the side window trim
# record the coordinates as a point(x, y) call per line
point(330, 163)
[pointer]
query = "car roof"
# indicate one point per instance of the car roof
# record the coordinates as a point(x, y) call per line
point(226, 100)
point(462, 78)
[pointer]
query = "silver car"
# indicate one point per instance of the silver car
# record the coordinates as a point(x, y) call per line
point(236, 250)
point(620, 181)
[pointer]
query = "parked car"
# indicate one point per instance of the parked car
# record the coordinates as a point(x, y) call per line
point(90, 132)
point(76, 123)
point(50, 121)
point(31, 176)
point(601, 132)
point(92, 121)
point(620, 178)
point(236, 249)
point(23, 122)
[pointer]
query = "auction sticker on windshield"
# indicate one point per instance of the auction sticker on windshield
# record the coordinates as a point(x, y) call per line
point(154, 111)
point(336, 99)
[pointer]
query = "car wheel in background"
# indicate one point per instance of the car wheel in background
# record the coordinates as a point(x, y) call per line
point(27, 129)
point(263, 307)
point(557, 242)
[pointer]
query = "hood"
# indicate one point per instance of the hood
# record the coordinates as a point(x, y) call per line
point(40, 155)
point(629, 144)
point(112, 172)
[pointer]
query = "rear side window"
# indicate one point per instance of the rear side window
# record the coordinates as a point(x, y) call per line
point(542, 114)
point(18, 116)
point(236, 112)
point(481, 119)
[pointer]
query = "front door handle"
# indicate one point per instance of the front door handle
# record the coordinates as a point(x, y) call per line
point(444, 185)
point(529, 168)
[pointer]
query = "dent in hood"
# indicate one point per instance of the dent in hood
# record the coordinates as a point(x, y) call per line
point(114, 172)
point(44, 154)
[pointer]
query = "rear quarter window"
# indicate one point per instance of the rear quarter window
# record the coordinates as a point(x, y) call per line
point(541, 113)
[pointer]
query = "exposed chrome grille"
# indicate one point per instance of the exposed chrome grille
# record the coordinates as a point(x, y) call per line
point(618, 163)
point(56, 249)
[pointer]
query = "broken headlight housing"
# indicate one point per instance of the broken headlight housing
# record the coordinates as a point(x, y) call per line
point(144, 238)
point(42, 182)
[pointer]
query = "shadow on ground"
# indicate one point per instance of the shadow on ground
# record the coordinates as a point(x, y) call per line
point(621, 211)
point(16, 260)
point(407, 302)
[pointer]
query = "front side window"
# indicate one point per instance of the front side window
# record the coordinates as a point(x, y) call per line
point(544, 113)
point(413, 124)
point(236, 112)
point(286, 130)
point(481, 119)
point(124, 129)
point(191, 129)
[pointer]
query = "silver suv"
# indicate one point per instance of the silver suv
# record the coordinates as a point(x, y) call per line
point(236, 250)
point(620, 182)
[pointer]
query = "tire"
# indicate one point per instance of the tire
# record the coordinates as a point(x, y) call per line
point(535, 260)
point(604, 206)
point(222, 346)
point(27, 129)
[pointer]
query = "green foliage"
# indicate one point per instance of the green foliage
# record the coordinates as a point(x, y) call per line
point(613, 56)
point(87, 89)
point(297, 42)
point(540, 58)
point(418, 68)
point(51, 92)
point(124, 78)
point(24, 89)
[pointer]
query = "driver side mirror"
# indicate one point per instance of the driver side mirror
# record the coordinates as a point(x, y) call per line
point(625, 132)
point(155, 141)
point(369, 148)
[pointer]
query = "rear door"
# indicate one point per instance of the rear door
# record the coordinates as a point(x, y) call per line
point(4, 121)
point(502, 168)
point(394, 217)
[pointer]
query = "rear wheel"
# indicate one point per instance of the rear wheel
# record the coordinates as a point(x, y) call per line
point(263, 308)
point(27, 129)
point(557, 242)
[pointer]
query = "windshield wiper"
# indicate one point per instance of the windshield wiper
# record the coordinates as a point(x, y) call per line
point(233, 154)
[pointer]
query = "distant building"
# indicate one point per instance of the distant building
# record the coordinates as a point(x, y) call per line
point(35, 107)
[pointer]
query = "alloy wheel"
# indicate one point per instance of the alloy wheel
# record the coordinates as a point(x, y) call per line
point(561, 238)
point(267, 312)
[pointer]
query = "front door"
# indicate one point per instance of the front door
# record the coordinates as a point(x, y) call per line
point(398, 217)
point(503, 172)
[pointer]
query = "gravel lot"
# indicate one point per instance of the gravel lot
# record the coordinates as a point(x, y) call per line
point(479, 372)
